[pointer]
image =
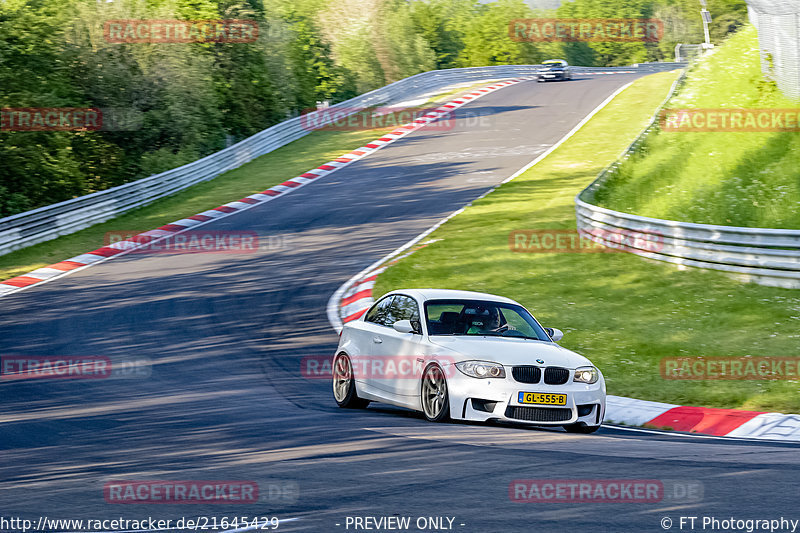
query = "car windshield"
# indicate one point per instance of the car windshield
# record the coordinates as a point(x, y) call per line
point(481, 318)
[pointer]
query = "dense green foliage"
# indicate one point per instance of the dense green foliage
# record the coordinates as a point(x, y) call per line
point(681, 20)
point(184, 101)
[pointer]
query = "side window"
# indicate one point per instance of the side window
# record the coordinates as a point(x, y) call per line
point(404, 308)
point(379, 312)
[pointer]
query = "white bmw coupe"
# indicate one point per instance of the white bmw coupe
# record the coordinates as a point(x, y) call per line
point(465, 356)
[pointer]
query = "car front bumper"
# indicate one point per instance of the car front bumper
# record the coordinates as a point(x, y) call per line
point(497, 399)
point(552, 76)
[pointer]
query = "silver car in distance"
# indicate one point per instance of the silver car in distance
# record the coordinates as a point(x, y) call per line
point(554, 69)
point(465, 356)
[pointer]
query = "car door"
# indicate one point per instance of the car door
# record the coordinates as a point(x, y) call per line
point(403, 352)
point(371, 352)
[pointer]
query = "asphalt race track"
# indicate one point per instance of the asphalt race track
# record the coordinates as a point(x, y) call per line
point(225, 398)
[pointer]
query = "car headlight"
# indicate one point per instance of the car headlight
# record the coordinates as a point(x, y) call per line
point(586, 374)
point(481, 369)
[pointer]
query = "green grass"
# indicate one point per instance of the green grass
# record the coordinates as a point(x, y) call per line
point(621, 311)
point(262, 173)
point(728, 178)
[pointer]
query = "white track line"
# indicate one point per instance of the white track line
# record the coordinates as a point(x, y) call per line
point(697, 435)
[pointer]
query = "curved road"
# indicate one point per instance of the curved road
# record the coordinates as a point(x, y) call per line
point(225, 399)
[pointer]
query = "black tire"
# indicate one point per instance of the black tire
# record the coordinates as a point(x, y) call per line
point(434, 395)
point(344, 386)
point(580, 428)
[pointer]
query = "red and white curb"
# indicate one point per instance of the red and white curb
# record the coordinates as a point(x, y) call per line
point(357, 298)
point(703, 420)
point(118, 249)
point(354, 298)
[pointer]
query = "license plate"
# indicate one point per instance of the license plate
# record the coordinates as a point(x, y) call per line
point(549, 75)
point(542, 398)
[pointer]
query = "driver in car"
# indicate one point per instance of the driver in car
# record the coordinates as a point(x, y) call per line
point(487, 322)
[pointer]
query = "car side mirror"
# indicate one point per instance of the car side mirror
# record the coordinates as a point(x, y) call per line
point(404, 326)
point(555, 334)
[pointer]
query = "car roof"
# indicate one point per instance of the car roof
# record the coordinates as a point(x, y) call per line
point(450, 294)
point(553, 61)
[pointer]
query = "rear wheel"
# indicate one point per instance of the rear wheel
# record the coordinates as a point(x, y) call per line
point(580, 428)
point(344, 387)
point(434, 395)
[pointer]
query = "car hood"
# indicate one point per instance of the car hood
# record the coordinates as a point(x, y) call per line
point(510, 351)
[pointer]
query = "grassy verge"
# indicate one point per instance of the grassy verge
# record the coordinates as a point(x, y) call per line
point(728, 178)
point(262, 173)
point(624, 313)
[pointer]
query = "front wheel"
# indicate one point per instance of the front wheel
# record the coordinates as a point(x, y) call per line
point(344, 386)
point(580, 428)
point(434, 395)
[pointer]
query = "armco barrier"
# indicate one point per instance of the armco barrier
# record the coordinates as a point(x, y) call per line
point(761, 255)
point(49, 222)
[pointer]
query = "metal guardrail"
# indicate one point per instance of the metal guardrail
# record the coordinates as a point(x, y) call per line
point(761, 255)
point(49, 222)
